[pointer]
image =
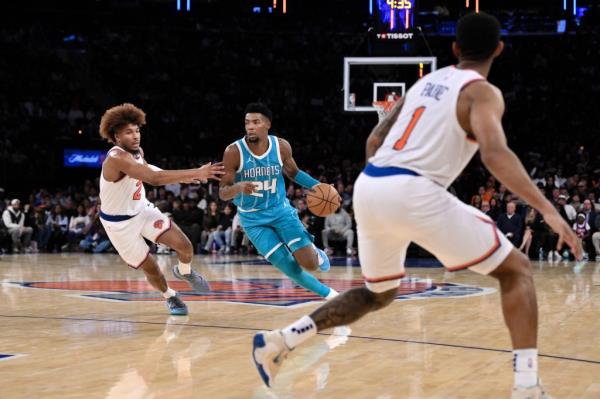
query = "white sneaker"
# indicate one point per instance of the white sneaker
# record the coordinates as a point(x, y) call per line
point(268, 352)
point(557, 256)
point(536, 392)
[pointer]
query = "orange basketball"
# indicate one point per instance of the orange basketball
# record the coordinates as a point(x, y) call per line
point(324, 200)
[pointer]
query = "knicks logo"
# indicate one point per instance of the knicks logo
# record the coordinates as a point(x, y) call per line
point(159, 224)
point(265, 292)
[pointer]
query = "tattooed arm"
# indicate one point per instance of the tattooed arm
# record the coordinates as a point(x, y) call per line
point(380, 132)
point(351, 306)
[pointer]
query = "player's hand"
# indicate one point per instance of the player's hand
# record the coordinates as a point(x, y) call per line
point(211, 170)
point(247, 187)
point(565, 234)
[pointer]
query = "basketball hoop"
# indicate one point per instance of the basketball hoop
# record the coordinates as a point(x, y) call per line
point(383, 108)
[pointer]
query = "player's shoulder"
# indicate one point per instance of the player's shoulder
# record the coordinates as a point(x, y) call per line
point(482, 87)
point(117, 153)
point(283, 143)
point(232, 148)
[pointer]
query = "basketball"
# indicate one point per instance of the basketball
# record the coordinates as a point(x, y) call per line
point(324, 200)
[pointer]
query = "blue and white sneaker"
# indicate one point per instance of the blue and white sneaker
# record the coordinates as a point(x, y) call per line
point(324, 263)
point(176, 306)
point(268, 352)
point(195, 280)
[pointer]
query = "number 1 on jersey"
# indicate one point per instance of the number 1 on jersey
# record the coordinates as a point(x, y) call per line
point(401, 142)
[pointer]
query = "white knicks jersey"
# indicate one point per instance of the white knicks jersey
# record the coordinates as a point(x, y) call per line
point(427, 138)
point(126, 196)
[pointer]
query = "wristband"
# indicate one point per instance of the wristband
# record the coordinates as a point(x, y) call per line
point(305, 180)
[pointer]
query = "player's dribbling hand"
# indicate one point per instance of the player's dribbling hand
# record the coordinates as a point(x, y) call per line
point(247, 187)
point(210, 171)
point(565, 234)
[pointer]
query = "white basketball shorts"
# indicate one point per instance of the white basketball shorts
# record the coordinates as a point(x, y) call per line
point(393, 211)
point(128, 235)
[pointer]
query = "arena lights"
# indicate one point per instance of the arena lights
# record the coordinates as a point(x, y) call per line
point(188, 5)
point(468, 4)
point(390, 10)
point(284, 9)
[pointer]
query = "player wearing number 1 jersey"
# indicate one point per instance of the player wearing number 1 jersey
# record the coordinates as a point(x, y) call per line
point(254, 169)
point(413, 156)
point(129, 218)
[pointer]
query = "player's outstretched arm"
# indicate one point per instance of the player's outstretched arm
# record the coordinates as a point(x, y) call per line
point(290, 168)
point(380, 132)
point(228, 189)
point(120, 161)
point(485, 122)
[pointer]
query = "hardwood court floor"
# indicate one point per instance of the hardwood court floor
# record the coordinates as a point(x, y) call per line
point(119, 341)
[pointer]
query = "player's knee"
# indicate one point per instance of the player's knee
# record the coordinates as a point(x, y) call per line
point(184, 247)
point(516, 268)
point(308, 262)
point(187, 248)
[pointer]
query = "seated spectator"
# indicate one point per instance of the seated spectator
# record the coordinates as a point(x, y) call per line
point(222, 235)
point(511, 224)
point(41, 229)
point(210, 223)
point(239, 240)
point(96, 240)
point(76, 226)
point(338, 227)
point(485, 208)
point(477, 198)
point(566, 210)
point(528, 235)
point(490, 189)
point(494, 212)
point(575, 203)
point(189, 218)
point(14, 221)
point(547, 239)
point(58, 223)
point(589, 211)
point(596, 238)
point(582, 229)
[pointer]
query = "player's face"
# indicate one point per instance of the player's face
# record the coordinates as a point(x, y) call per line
point(257, 127)
point(129, 138)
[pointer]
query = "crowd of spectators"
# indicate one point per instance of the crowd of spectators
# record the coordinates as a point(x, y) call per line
point(194, 76)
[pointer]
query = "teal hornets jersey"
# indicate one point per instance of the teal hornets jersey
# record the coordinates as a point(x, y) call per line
point(266, 172)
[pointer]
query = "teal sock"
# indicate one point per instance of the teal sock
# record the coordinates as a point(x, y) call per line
point(283, 260)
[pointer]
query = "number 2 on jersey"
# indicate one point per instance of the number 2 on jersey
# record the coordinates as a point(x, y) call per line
point(138, 193)
point(401, 142)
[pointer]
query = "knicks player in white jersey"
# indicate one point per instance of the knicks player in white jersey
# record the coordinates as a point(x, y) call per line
point(413, 156)
point(129, 218)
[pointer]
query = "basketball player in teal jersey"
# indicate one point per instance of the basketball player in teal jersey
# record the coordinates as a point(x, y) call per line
point(254, 168)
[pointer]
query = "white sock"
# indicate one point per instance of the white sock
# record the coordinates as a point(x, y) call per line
point(320, 259)
point(299, 331)
point(169, 293)
point(332, 293)
point(525, 366)
point(184, 268)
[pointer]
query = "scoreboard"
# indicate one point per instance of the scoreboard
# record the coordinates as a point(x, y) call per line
point(393, 16)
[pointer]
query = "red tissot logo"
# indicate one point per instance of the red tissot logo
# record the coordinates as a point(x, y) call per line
point(159, 224)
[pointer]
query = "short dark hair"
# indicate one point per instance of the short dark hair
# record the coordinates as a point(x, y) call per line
point(477, 36)
point(259, 108)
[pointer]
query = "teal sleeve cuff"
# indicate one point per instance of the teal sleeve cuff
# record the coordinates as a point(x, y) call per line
point(305, 180)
